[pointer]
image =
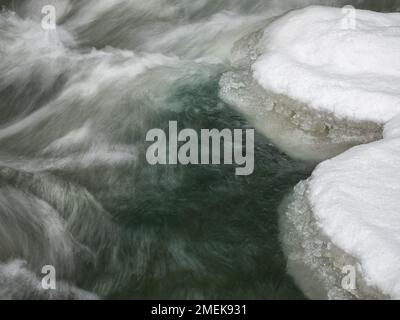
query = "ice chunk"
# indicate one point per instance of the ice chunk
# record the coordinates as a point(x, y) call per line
point(316, 85)
point(312, 259)
point(292, 126)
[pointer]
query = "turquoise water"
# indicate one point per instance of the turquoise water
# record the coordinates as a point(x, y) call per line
point(216, 234)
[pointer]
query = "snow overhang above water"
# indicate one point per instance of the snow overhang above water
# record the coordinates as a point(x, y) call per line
point(338, 62)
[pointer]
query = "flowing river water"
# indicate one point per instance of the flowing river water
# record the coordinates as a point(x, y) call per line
point(76, 191)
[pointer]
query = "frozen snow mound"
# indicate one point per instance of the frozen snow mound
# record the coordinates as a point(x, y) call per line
point(313, 260)
point(348, 213)
point(319, 80)
point(340, 61)
point(356, 198)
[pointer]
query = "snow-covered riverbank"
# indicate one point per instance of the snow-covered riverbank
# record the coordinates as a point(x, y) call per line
point(318, 76)
point(338, 73)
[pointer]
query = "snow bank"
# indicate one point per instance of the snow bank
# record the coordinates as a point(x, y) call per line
point(317, 82)
point(348, 212)
point(324, 58)
point(355, 198)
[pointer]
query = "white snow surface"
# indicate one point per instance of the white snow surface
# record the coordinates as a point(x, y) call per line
point(341, 61)
point(356, 200)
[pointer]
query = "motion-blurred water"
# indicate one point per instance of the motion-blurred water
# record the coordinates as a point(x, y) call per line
point(75, 189)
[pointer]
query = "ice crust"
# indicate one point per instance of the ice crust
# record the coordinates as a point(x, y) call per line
point(295, 128)
point(312, 259)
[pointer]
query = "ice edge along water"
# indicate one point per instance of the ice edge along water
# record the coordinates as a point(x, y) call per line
point(334, 87)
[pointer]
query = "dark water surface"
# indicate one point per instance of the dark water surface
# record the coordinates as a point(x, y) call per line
point(216, 234)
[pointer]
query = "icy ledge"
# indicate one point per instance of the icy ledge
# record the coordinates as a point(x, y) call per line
point(348, 212)
point(317, 87)
point(343, 64)
point(314, 85)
